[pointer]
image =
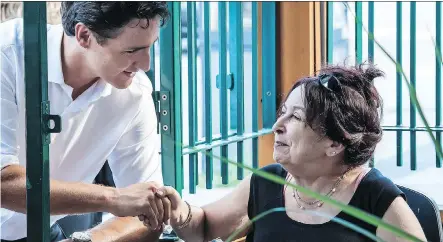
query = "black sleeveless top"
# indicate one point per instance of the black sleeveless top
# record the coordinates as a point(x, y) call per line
point(374, 195)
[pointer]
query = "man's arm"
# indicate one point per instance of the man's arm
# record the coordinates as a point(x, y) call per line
point(65, 197)
point(78, 198)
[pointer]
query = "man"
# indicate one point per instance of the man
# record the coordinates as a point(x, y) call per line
point(97, 84)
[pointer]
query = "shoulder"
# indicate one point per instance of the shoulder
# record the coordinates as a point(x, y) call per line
point(380, 191)
point(12, 33)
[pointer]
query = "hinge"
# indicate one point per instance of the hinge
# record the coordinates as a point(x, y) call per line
point(46, 122)
point(163, 110)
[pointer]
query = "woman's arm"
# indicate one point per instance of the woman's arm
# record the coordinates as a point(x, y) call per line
point(216, 220)
point(400, 215)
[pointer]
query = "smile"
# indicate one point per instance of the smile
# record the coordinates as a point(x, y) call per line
point(129, 74)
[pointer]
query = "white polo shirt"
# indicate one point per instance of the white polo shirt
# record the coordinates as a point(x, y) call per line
point(104, 123)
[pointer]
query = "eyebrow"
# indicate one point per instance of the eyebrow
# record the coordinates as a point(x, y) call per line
point(137, 48)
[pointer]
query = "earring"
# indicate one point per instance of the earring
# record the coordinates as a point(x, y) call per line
point(333, 153)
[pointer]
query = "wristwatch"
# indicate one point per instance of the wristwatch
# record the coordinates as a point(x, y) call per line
point(81, 237)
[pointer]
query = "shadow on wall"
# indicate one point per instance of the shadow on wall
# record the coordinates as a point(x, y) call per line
point(10, 10)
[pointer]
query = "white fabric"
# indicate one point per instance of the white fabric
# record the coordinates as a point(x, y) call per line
point(104, 123)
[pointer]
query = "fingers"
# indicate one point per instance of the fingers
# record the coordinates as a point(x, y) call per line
point(150, 218)
point(171, 193)
point(153, 205)
point(166, 209)
point(160, 210)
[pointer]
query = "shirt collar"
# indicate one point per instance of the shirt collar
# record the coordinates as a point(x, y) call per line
point(55, 73)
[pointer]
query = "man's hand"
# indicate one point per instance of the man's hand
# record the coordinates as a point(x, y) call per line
point(140, 200)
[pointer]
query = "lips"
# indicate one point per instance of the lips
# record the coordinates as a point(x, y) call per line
point(129, 74)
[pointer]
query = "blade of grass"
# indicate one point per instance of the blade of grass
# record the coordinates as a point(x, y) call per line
point(412, 92)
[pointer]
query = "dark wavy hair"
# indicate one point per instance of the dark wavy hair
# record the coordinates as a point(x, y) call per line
point(343, 105)
point(106, 19)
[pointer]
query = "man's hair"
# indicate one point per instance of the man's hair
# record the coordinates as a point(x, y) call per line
point(106, 19)
point(343, 105)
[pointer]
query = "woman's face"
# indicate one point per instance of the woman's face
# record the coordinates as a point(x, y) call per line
point(295, 142)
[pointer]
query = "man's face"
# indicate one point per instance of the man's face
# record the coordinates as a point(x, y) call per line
point(118, 59)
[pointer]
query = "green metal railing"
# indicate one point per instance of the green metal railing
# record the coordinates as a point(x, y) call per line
point(38, 117)
point(399, 127)
point(229, 79)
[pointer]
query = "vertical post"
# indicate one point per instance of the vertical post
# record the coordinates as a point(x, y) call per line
point(192, 93)
point(223, 88)
point(208, 93)
point(438, 82)
point(269, 33)
point(236, 67)
point(37, 108)
point(330, 38)
point(413, 47)
point(358, 32)
point(170, 82)
point(254, 83)
point(399, 78)
point(371, 31)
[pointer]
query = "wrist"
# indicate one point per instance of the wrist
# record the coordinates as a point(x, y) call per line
point(111, 199)
point(184, 215)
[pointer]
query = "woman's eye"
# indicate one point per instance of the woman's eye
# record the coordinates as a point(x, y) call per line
point(130, 51)
point(296, 116)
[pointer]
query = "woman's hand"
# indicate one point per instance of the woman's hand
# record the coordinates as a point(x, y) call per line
point(179, 209)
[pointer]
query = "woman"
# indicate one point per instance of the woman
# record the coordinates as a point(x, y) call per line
point(327, 130)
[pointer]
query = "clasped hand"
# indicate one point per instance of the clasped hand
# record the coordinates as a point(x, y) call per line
point(155, 205)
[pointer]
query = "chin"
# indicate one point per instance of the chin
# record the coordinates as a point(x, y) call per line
point(122, 84)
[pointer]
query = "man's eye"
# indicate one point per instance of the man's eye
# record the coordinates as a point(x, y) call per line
point(131, 51)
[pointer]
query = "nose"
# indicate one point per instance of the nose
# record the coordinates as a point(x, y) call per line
point(143, 62)
point(279, 126)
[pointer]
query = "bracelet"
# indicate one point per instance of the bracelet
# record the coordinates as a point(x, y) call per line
point(188, 218)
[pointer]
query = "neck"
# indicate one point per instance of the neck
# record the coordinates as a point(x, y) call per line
point(320, 180)
point(75, 68)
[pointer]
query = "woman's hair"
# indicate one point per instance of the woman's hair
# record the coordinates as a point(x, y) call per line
point(343, 105)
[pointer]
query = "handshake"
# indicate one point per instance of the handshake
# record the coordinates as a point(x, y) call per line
point(155, 205)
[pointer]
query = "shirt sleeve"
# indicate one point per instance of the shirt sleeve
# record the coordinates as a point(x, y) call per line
point(136, 157)
point(9, 112)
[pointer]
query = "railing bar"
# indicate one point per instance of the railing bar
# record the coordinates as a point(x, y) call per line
point(371, 36)
point(371, 32)
point(417, 129)
point(269, 64)
point(359, 32)
point(330, 29)
point(438, 80)
point(223, 87)
point(36, 92)
point(171, 81)
point(236, 66)
point(208, 94)
point(254, 85)
point(192, 92)
point(215, 144)
point(413, 47)
point(399, 50)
